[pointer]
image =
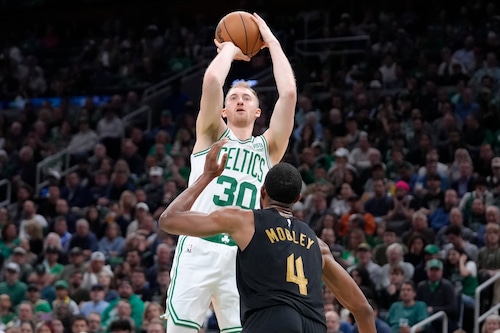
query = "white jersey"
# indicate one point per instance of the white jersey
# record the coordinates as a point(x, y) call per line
point(239, 185)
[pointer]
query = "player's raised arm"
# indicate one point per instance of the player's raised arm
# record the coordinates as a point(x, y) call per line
point(282, 119)
point(347, 291)
point(209, 123)
point(178, 219)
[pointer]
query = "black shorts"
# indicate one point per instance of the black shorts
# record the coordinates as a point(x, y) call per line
point(281, 319)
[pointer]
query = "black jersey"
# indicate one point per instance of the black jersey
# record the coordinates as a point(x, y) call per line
point(280, 266)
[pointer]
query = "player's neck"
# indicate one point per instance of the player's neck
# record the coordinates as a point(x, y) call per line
point(284, 211)
point(242, 133)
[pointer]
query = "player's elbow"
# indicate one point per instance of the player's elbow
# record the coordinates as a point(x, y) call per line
point(289, 93)
point(167, 222)
point(363, 309)
point(211, 79)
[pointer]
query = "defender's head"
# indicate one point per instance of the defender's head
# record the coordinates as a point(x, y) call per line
point(282, 185)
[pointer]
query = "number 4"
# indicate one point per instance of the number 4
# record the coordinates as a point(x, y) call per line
point(297, 278)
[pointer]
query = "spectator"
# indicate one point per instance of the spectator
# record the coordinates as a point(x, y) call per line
point(95, 267)
point(74, 192)
point(112, 245)
point(395, 256)
point(62, 297)
point(140, 284)
point(125, 291)
point(391, 294)
point(84, 238)
point(407, 312)
point(38, 304)
point(96, 304)
point(455, 238)
point(439, 294)
point(84, 140)
point(455, 219)
point(12, 286)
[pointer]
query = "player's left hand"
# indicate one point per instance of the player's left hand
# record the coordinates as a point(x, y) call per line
point(214, 168)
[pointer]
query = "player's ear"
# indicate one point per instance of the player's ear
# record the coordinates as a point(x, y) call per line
point(223, 113)
point(258, 112)
point(263, 192)
point(298, 198)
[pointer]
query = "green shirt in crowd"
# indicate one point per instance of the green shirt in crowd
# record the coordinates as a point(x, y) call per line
point(16, 291)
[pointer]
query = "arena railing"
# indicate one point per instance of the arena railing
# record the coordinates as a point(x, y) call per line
point(438, 315)
point(479, 318)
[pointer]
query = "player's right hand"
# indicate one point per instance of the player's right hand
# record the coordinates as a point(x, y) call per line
point(238, 54)
point(213, 167)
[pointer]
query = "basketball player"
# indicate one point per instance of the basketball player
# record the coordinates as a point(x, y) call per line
point(279, 260)
point(204, 268)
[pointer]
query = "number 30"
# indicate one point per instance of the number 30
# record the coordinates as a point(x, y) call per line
point(230, 188)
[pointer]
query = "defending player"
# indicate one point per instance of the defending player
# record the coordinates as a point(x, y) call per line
point(279, 262)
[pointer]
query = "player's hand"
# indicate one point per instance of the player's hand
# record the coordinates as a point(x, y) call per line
point(213, 168)
point(265, 31)
point(238, 54)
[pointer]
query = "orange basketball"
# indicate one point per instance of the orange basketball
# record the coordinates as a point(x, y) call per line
point(239, 28)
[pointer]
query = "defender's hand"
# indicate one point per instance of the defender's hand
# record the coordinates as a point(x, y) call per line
point(213, 168)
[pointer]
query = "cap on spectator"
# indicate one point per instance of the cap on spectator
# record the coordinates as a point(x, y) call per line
point(19, 250)
point(54, 173)
point(434, 263)
point(51, 249)
point(375, 84)
point(156, 171)
point(61, 284)
point(97, 286)
point(142, 205)
point(317, 144)
point(402, 184)
point(97, 256)
point(495, 162)
point(76, 250)
point(33, 287)
point(13, 267)
point(364, 247)
point(341, 152)
point(431, 249)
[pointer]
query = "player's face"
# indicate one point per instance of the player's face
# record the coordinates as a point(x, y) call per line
point(242, 106)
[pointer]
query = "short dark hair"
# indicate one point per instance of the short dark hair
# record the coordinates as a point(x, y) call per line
point(453, 230)
point(79, 317)
point(120, 325)
point(411, 284)
point(283, 183)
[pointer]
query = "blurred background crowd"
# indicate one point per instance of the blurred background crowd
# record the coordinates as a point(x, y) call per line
point(397, 138)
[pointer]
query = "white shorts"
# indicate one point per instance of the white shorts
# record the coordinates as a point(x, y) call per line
point(203, 271)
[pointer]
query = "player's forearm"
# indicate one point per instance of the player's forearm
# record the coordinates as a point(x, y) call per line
point(184, 201)
point(283, 72)
point(220, 66)
point(349, 294)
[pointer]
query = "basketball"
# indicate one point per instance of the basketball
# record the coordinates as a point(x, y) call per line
point(239, 28)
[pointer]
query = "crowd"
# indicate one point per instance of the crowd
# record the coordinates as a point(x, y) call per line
point(399, 151)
